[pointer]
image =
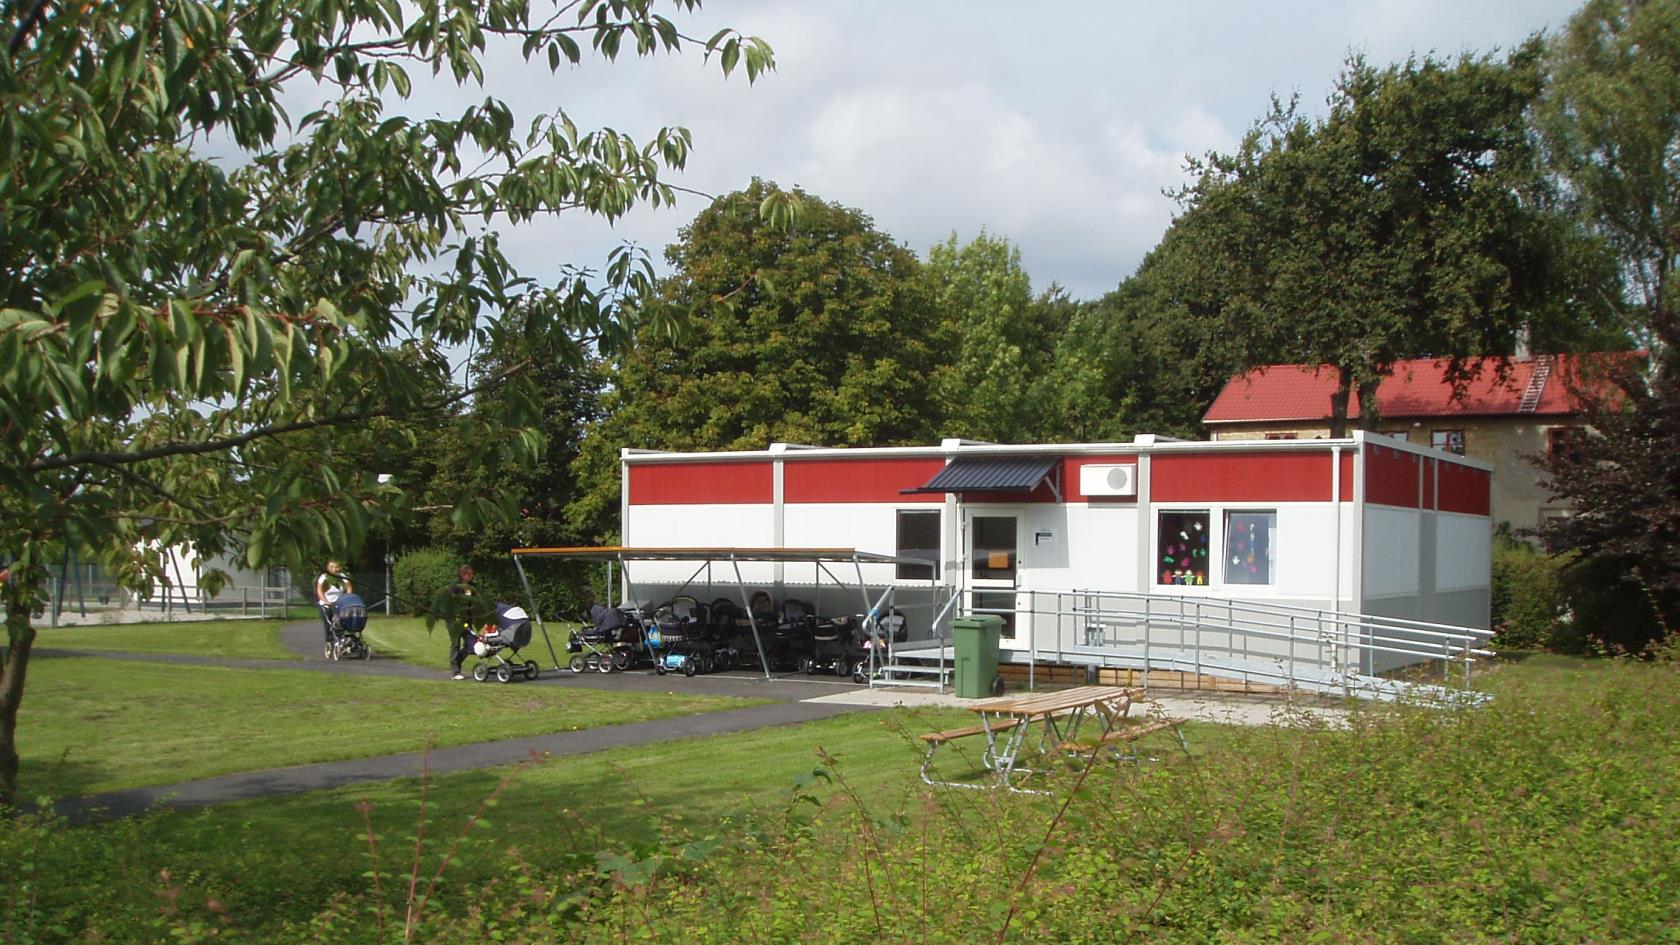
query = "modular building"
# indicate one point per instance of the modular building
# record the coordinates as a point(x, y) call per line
point(1366, 525)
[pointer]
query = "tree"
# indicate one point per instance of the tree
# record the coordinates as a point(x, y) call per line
point(1610, 122)
point(815, 333)
point(1412, 221)
point(208, 352)
point(1002, 338)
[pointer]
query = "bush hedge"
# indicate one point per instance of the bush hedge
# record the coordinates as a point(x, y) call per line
point(1529, 601)
point(420, 575)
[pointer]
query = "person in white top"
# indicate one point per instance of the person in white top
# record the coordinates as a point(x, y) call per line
point(329, 587)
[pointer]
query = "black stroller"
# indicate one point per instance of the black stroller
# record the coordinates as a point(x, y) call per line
point(346, 619)
point(613, 640)
point(795, 636)
point(836, 646)
point(510, 632)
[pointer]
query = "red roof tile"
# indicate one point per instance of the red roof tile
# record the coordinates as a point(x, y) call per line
point(1416, 388)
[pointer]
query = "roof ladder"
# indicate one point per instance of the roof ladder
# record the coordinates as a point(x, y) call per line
point(1536, 384)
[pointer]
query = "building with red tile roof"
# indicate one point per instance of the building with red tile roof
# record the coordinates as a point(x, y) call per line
point(1502, 417)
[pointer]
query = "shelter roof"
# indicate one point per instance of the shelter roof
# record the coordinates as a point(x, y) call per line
point(626, 553)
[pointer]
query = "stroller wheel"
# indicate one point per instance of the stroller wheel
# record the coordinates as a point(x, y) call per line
point(531, 671)
point(327, 650)
point(689, 668)
point(860, 672)
point(604, 662)
point(620, 660)
point(504, 673)
point(841, 669)
point(659, 667)
point(807, 666)
point(577, 664)
point(481, 672)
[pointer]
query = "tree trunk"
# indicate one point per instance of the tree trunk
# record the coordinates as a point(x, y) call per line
point(20, 636)
point(1339, 404)
point(1368, 413)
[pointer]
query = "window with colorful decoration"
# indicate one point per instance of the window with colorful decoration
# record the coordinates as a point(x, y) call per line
point(1250, 545)
point(1181, 540)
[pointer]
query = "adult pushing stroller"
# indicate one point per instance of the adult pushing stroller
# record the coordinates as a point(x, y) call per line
point(346, 619)
point(510, 632)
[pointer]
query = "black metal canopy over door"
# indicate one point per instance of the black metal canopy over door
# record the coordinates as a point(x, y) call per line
point(992, 475)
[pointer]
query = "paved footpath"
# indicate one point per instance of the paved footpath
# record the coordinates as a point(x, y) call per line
point(794, 705)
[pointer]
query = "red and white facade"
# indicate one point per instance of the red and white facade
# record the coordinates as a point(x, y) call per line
point(1366, 524)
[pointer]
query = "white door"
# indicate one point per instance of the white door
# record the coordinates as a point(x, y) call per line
point(992, 574)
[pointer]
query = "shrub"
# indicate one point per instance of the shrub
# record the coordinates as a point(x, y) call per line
point(420, 575)
point(1528, 598)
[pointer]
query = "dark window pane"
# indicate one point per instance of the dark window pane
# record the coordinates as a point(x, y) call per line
point(1250, 540)
point(1181, 548)
point(1001, 604)
point(994, 547)
point(918, 537)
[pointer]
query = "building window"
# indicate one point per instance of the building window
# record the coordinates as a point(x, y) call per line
point(1564, 442)
point(918, 537)
point(1404, 436)
point(1181, 542)
point(994, 548)
point(1250, 546)
point(1281, 436)
point(1450, 440)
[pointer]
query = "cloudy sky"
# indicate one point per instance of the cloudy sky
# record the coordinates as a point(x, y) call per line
point(1055, 126)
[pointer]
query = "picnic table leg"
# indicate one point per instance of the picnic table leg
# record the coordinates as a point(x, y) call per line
point(927, 762)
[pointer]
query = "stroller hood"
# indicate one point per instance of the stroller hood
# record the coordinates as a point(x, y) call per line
point(513, 625)
point(350, 613)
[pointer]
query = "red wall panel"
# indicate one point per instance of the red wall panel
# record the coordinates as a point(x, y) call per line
point(701, 483)
point(1465, 489)
point(1391, 477)
point(1240, 477)
point(858, 480)
point(1347, 476)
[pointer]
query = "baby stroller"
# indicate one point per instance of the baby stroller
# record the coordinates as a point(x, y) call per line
point(510, 632)
point(836, 647)
point(609, 642)
point(680, 638)
point(346, 619)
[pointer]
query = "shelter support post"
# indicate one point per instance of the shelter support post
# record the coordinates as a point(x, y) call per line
point(536, 613)
point(752, 619)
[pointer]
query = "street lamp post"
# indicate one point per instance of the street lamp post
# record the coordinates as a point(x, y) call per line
point(389, 558)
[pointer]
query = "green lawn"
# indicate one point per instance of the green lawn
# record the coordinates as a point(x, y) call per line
point(243, 639)
point(90, 725)
point(407, 639)
point(1546, 816)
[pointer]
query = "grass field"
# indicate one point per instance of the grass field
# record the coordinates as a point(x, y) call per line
point(91, 725)
point(241, 639)
point(1547, 816)
point(407, 639)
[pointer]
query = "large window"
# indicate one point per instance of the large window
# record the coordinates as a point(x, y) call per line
point(1250, 547)
point(1181, 543)
point(918, 537)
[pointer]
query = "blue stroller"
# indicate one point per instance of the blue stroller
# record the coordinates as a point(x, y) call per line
point(346, 619)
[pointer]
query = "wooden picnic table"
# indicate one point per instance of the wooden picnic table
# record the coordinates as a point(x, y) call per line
point(1056, 717)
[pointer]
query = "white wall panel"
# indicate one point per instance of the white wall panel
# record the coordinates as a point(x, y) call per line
point(697, 526)
point(1099, 549)
point(1463, 552)
point(1305, 555)
point(1391, 551)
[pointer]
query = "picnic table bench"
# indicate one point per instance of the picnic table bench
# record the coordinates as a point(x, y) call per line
point(1006, 724)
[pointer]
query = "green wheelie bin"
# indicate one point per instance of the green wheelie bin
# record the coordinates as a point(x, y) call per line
point(976, 639)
